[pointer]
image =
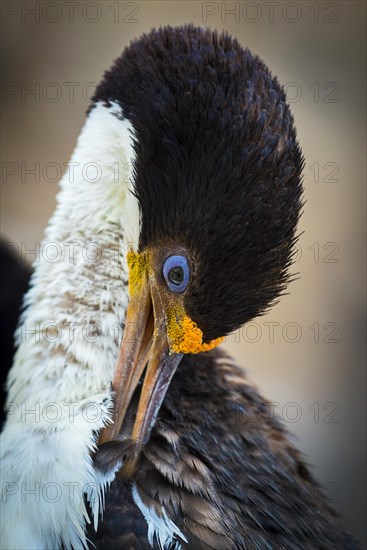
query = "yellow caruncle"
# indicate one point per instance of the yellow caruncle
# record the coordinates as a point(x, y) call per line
point(184, 334)
point(137, 271)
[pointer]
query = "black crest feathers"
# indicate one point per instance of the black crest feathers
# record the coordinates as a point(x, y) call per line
point(218, 167)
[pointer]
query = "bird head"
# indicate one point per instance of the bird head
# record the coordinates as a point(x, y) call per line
point(217, 175)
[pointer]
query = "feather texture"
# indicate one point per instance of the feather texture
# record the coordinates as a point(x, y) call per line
point(223, 469)
point(68, 345)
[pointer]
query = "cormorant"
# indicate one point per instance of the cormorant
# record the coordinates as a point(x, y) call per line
point(177, 221)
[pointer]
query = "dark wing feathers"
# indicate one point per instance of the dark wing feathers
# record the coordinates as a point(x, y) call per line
point(224, 470)
point(123, 525)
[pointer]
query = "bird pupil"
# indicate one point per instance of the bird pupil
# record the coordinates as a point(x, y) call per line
point(176, 275)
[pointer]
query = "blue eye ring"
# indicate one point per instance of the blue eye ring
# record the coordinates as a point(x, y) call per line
point(176, 272)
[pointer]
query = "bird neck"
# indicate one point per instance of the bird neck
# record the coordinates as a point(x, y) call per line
point(59, 385)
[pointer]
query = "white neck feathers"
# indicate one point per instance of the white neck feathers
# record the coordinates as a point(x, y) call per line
point(59, 386)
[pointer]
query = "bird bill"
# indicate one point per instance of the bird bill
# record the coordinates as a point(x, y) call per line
point(144, 346)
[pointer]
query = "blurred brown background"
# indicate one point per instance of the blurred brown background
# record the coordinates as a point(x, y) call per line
point(307, 355)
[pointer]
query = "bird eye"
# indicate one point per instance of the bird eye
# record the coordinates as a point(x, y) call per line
point(176, 273)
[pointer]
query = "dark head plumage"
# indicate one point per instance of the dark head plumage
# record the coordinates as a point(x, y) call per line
point(217, 170)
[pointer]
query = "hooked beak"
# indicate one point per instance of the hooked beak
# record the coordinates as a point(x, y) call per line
point(144, 345)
